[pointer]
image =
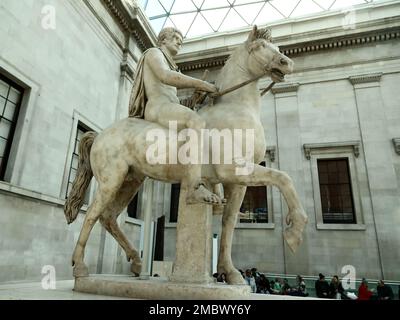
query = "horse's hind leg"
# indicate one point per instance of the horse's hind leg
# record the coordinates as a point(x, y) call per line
point(93, 213)
point(234, 195)
point(109, 221)
point(104, 196)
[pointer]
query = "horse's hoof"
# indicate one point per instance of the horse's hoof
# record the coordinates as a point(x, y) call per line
point(235, 278)
point(136, 268)
point(80, 270)
point(292, 238)
point(202, 195)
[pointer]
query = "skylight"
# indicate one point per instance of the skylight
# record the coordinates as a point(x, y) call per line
point(200, 17)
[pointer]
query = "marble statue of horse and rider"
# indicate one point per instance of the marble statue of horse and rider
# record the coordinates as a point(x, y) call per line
point(119, 161)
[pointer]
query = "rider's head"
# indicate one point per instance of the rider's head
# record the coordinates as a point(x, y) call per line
point(167, 35)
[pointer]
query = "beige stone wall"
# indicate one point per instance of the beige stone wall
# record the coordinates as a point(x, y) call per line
point(34, 234)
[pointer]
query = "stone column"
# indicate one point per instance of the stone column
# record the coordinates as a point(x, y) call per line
point(290, 161)
point(147, 245)
point(193, 243)
point(383, 185)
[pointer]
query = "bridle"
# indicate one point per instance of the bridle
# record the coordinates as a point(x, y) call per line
point(215, 95)
point(198, 97)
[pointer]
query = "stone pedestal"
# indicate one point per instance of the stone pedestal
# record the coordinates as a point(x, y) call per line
point(148, 192)
point(193, 243)
point(158, 289)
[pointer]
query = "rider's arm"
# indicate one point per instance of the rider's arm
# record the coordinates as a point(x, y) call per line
point(156, 61)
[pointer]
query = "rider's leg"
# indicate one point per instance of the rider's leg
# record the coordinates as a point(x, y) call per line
point(186, 118)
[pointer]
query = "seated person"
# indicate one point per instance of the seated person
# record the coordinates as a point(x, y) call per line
point(384, 291)
point(322, 287)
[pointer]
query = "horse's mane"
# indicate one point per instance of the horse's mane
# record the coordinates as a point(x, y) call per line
point(241, 53)
point(234, 60)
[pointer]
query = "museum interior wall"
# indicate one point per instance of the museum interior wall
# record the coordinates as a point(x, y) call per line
point(340, 104)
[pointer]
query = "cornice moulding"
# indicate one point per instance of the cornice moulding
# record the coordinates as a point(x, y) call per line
point(308, 147)
point(365, 78)
point(132, 20)
point(292, 50)
point(285, 87)
point(127, 70)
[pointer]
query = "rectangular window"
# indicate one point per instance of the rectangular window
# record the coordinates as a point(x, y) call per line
point(81, 130)
point(10, 101)
point(335, 190)
point(254, 206)
point(173, 213)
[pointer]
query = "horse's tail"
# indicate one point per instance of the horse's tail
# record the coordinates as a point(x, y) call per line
point(84, 174)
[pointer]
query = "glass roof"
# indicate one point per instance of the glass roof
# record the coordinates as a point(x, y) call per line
point(195, 18)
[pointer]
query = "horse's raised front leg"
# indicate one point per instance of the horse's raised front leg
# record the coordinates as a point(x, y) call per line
point(296, 218)
point(234, 195)
point(126, 193)
point(105, 195)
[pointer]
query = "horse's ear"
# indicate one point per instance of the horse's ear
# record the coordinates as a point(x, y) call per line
point(252, 35)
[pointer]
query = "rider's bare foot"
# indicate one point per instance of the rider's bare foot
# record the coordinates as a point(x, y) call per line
point(203, 195)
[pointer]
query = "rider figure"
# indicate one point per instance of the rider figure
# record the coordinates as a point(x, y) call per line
point(154, 98)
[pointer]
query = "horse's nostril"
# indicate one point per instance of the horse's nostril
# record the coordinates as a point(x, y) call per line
point(283, 62)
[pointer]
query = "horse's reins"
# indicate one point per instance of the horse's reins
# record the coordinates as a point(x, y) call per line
point(198, 97)
point(215, 95)
point(218, 94)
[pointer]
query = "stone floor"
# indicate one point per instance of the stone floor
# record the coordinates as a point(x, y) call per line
point(63, 291)
point(34, 291)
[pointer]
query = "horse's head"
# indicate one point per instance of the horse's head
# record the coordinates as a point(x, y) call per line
point(265, 57)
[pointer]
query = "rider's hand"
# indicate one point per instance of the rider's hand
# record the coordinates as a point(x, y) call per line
point(207, 87)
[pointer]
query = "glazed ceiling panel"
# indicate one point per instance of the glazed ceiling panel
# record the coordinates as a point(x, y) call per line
point(196, 18)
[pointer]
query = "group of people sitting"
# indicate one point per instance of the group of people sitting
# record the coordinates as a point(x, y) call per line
point(259, 283)
point(335, 290)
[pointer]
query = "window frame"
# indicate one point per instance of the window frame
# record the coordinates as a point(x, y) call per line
point(334, 151)
point(13, 128)
point(21, 140)
point(352, 212)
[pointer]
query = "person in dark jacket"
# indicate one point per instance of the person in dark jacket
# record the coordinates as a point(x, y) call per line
point(384, 291)
point(336, 290)
point(322, 287)
point(264, 285)
point(300, 289)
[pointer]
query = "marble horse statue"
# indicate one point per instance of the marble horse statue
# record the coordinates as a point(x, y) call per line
point(117, 159)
